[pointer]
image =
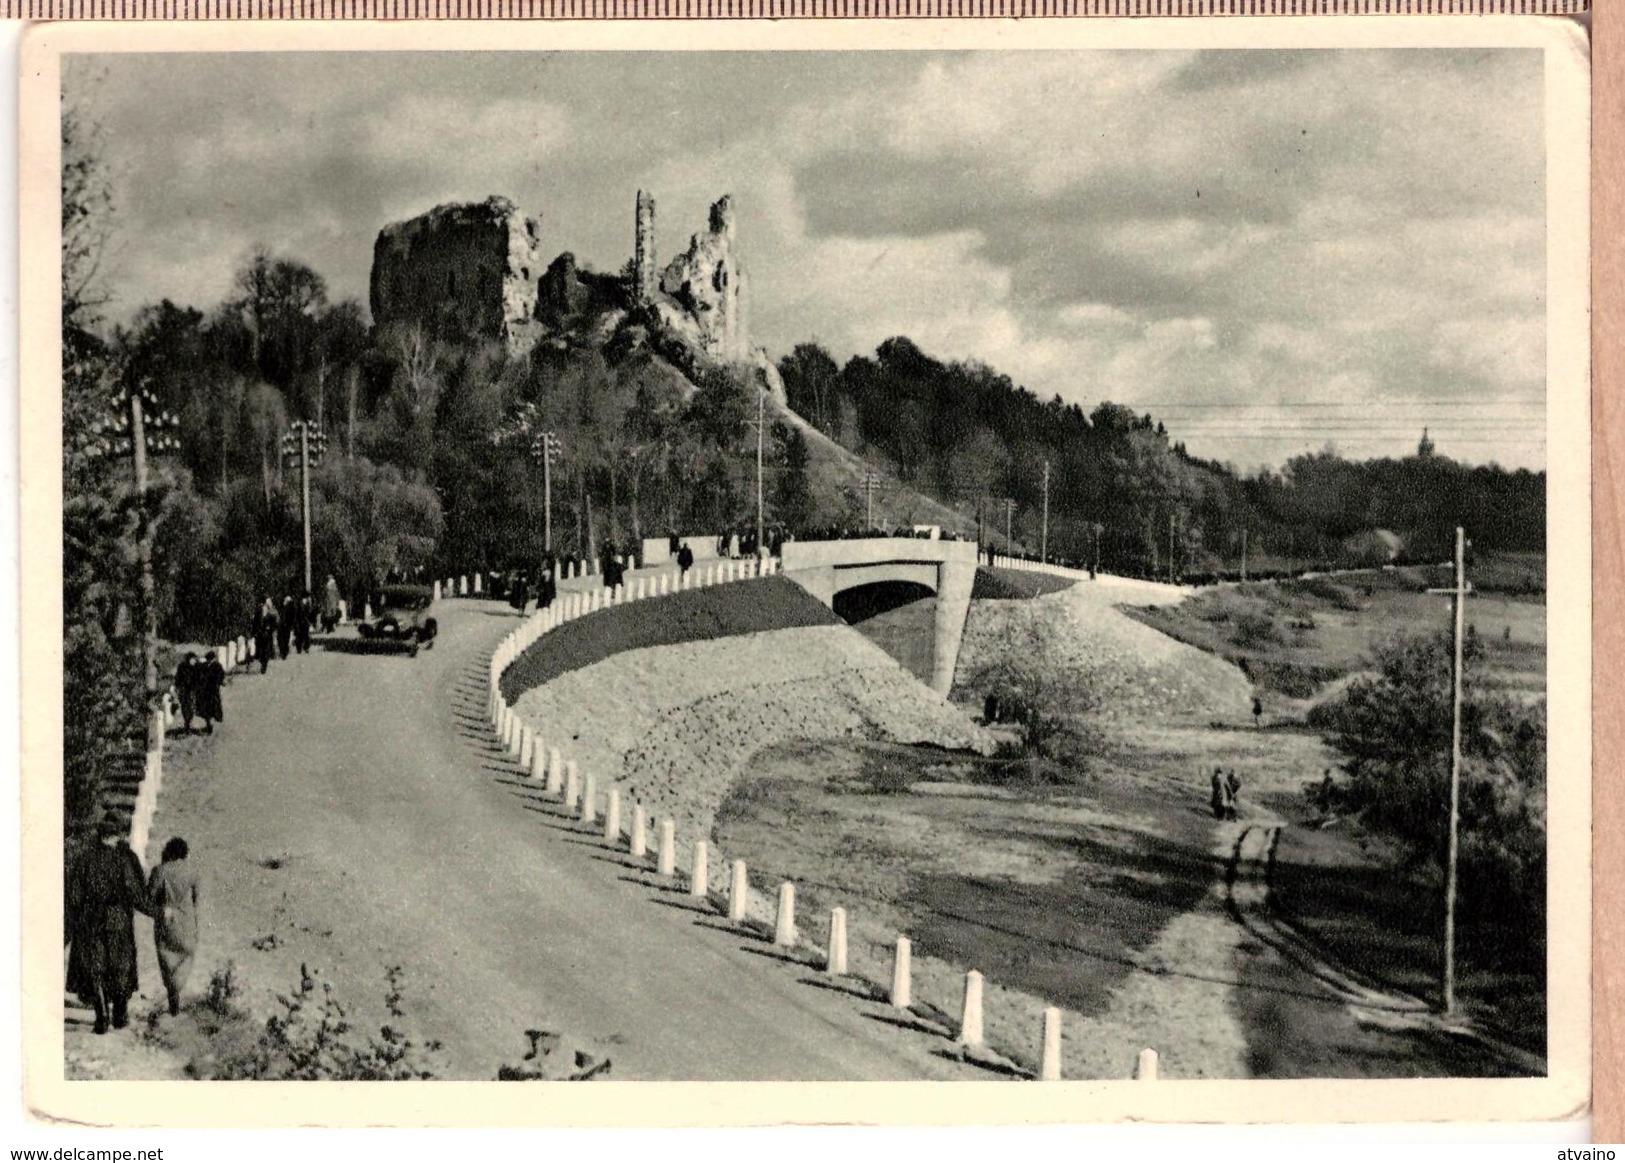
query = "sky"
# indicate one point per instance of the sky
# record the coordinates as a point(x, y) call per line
point(1267, 249)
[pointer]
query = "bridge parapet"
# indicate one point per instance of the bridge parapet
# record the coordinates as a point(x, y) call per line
point(948, 568)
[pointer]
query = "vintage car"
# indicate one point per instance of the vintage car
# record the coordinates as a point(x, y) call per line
point(403, 615)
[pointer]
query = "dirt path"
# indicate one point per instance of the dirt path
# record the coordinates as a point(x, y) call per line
point(1370, 1003)
point(354, 814)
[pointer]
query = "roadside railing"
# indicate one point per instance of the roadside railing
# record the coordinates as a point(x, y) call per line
point(626, 825)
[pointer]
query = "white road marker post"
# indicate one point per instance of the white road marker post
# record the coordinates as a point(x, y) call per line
point(538, 760)
point(666, 861)
point(902, 994)
point(1145, 1067)
point(699, 880)
point(970, 1016)
point(1049, 1068)
point(555, 771)
point(640, 833)
point(835, 958)
point(572, 784)
point(784, 931)
point(738, 892)
point(589, 798)
point(612, 816)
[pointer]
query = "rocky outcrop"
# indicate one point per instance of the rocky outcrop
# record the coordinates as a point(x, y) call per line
point(701, 290)
point(461, 270)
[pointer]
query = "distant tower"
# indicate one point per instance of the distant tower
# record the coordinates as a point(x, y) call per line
point(644, 274)
point(1425, 446)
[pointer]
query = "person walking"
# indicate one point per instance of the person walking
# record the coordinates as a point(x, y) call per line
point(210, 678)
point(172, 892)
point(1219, 797)
point(546, 588)
point(265, 627)
point(330, 604)
point(1232, 785)
point(1258, 712)
point(186, 677)
point(304, 619)
point(685, 559)
point(284, 627)
point(105, 890)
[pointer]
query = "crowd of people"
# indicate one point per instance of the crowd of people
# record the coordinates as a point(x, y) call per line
point(105, 889)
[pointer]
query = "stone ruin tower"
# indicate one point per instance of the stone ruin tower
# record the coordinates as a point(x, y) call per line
point(705, 281)
point(645, 275)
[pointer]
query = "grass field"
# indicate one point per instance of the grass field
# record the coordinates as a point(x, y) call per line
point(1292, 638)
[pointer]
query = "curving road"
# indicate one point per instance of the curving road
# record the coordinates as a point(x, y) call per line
point(354, 813)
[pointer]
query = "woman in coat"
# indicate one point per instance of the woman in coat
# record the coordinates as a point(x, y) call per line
point(104, 891)
point(173, 894)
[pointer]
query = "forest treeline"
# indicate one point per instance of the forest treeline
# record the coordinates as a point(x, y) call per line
point(970, 435)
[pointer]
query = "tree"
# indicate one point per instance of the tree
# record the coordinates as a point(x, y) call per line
point(792, 491)
point(1033, 681)
point(1394, 731)
point(370, 521)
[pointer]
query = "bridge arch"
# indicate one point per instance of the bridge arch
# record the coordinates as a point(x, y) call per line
point(868, 578)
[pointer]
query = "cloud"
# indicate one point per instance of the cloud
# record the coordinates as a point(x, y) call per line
point(1222, 229)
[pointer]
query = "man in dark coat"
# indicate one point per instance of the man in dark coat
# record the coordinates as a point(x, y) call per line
point(284, 629)
point(1219, 799)
point(186, 676)
point(210, 677)
point(304, 617)
point(685, 558)
point(519, 592)
point(1232, 785)
point(546, 588)
point(105, 889)
point(265, 633)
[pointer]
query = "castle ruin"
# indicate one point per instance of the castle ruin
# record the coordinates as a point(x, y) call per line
point(476, 270)
point(644, 277)
point(464, 269)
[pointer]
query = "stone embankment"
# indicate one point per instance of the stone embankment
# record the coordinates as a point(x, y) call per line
point(674, 726)
point(1138, 671)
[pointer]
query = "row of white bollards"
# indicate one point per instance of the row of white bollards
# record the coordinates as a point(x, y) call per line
point(578, 794)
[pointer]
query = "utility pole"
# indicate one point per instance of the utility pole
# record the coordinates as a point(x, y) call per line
point(1458, 594)
point(871, 482)
point(1098, 530)
point(550, 448)
point(1172, 519)
point(304, 443)
point(125, 431)
point(761, 431)
point(1043, 540)
point(1243, 553)
point(1009, 514)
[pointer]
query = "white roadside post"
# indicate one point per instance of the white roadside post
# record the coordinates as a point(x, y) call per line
point(699, 880)
point(970, 1016)
point(1145, 1067)
point(612, 816)
point(901, 971)
point(640, 833)
point(738, 892)
point(835, 960)
point(538, 760)
point(666, 861)
point(784, 931)
point(1049, 1069)
point(589, 798)
point(572, 784)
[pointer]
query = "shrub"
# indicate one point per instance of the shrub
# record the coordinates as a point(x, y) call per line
point(1254, 629)
point(309, 1039)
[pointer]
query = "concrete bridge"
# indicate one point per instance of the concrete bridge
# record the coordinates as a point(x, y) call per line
point(909, 594)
